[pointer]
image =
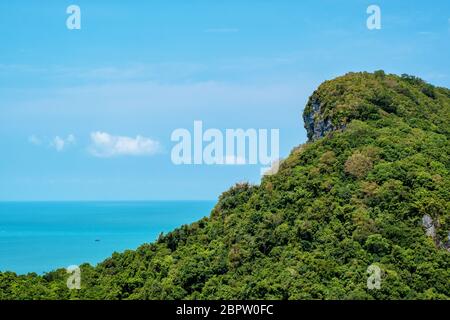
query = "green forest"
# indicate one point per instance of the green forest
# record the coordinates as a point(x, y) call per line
point(370, 187)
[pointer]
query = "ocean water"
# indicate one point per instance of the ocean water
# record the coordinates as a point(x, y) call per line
point(42, 236)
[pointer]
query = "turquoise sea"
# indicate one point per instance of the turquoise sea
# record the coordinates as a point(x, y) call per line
point(41, 236)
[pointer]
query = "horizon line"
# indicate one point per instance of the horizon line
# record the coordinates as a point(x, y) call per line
point(121, 200)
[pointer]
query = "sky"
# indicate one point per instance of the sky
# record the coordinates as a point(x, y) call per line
point(88, 114)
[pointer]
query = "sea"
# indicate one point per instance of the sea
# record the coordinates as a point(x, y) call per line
point(43, 236)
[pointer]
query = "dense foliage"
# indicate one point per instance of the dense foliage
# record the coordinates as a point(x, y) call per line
point(353, 198)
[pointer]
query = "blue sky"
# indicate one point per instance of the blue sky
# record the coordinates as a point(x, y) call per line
point(146, 68)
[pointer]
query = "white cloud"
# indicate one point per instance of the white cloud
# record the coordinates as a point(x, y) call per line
point(34, 140)
point(106, 145)
point(137, 71)
point(60, 143)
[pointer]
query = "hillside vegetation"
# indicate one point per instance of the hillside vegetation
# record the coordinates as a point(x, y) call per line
point(371, 187)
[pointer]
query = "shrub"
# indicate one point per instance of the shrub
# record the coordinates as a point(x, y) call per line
point(358, 165)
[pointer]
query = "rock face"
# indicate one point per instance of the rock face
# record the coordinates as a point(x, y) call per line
point(448, 242)
point(315, 124)
point(428, 224)
point(430, 230)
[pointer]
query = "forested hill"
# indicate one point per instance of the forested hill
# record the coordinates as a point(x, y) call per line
point(370, 187)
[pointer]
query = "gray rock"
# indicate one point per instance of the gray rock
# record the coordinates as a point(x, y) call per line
point(316, 125)
point(429, 226)
point(430, 229)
